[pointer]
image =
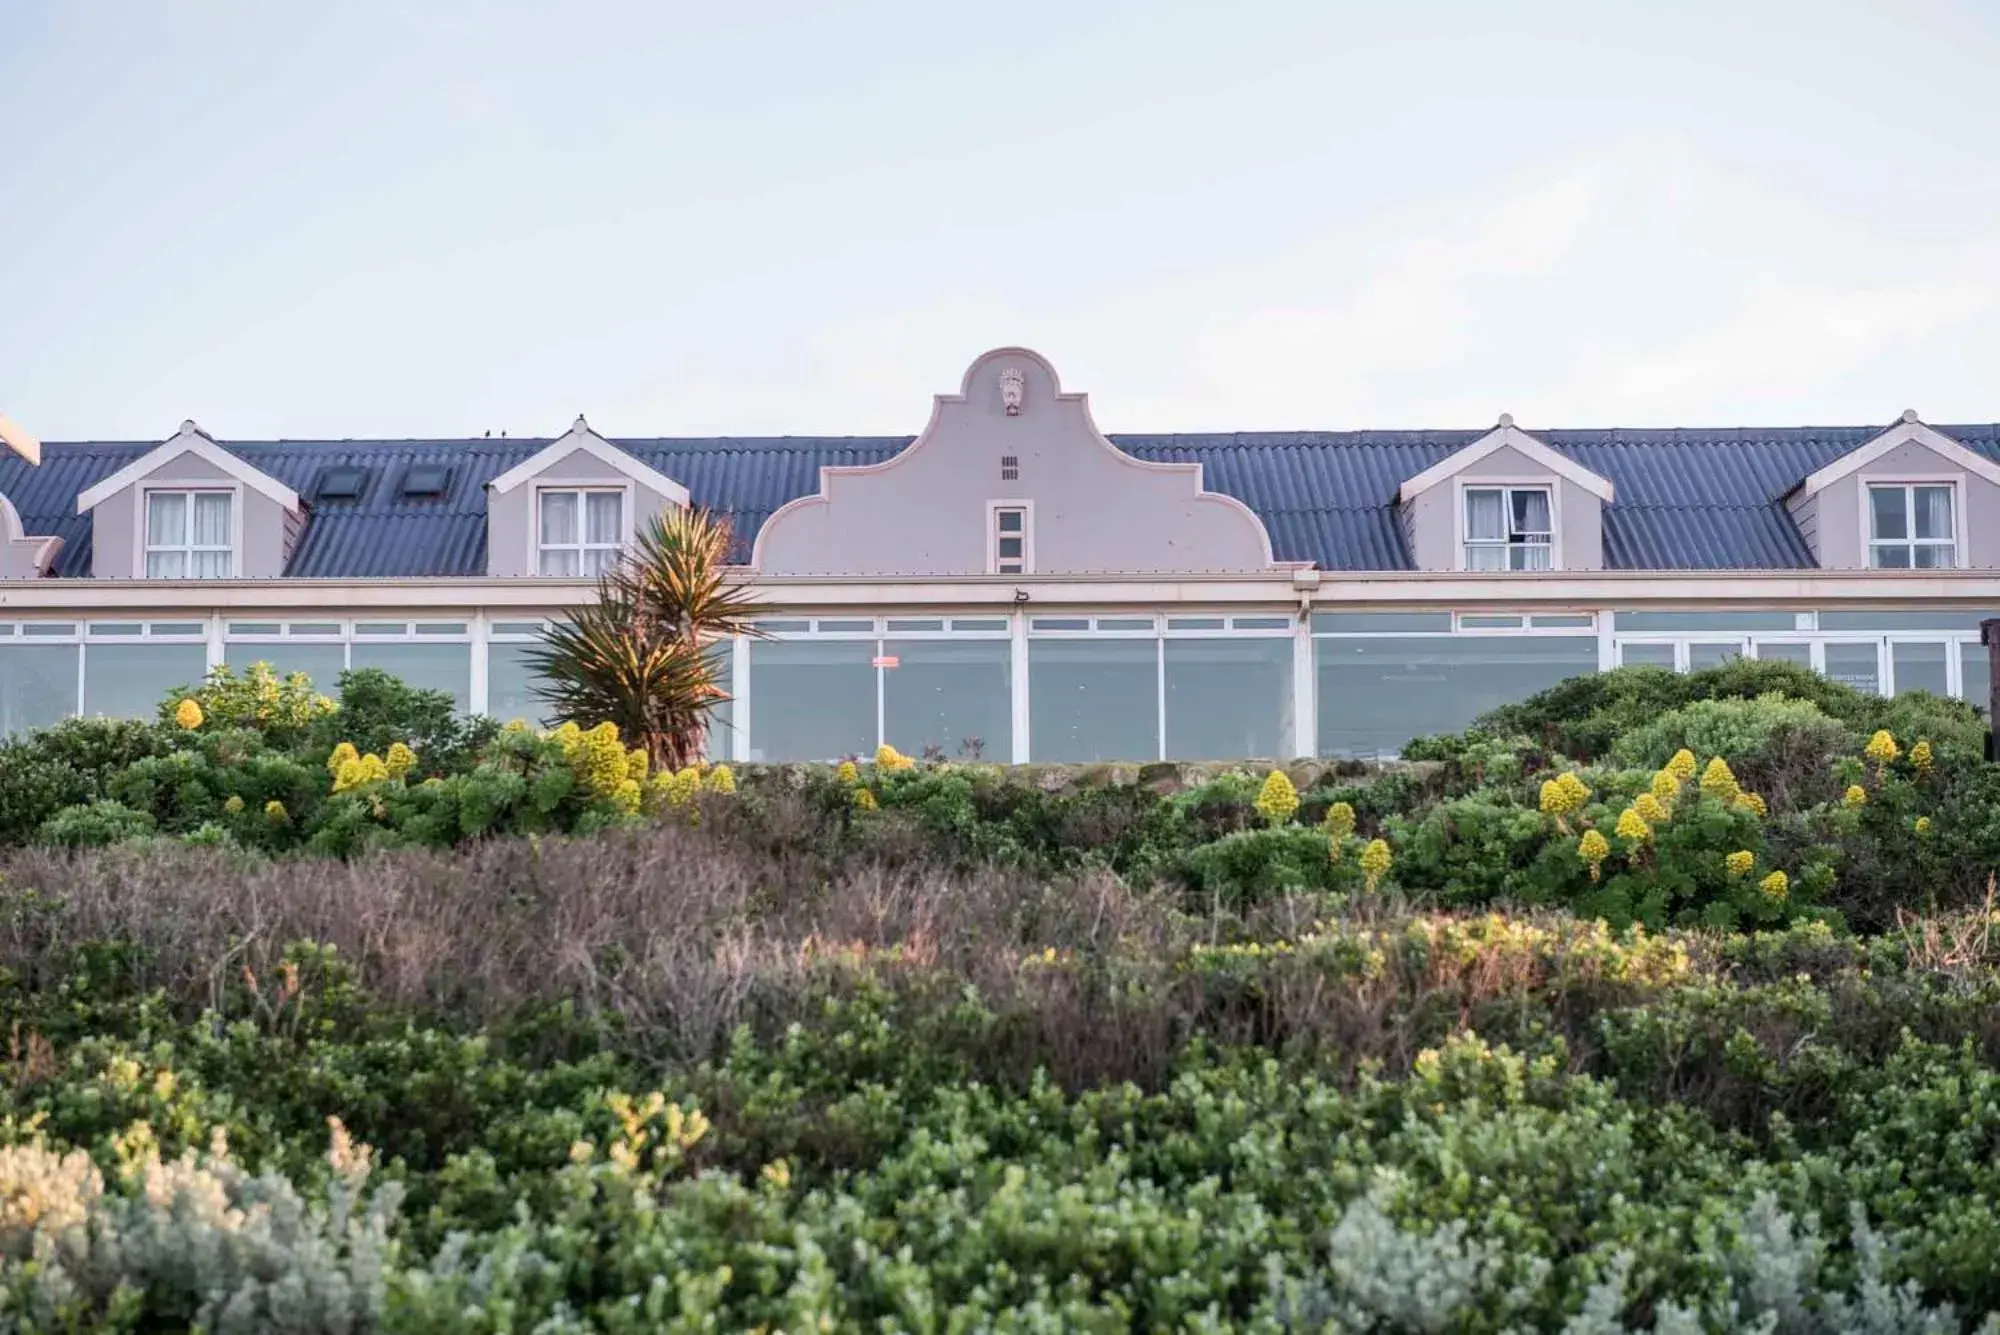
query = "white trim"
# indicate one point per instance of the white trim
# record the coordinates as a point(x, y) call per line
point(627, 520)
point(1955, 481)
point(1505, 484)
point(1027, 558)
point(1903, 433)
point(141, 547)
point(1305, 687)
point(1018, 685)
point(1506, 436)
point(189, 440)
point(581, 437)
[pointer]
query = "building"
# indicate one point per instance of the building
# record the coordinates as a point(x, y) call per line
point(1014, 584)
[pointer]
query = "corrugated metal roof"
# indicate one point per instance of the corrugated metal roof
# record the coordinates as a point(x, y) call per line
point(1687, 499)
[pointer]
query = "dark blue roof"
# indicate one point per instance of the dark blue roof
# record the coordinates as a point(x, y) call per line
point(1687, 499)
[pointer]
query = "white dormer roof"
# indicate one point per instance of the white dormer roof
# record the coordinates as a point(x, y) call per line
point(1909, 430)
point(190, 439)
point(581, 437)
point(1506, 436)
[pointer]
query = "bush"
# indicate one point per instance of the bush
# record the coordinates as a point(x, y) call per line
point(95, 824)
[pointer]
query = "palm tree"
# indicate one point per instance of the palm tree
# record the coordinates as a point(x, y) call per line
point(642, 655)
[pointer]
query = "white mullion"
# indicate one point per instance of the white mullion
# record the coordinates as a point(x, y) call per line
point(476, 700)
point(1160, 692)
point(881, 695)
point(1019, 684)
point(739, 708)
point(1305, 690)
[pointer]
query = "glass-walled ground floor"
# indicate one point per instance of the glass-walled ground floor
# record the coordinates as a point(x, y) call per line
point(1072, 686)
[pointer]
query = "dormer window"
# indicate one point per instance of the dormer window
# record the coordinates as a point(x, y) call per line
point(1912, 526)
point(1508, 528)
point(580, 530)
point(189, 534)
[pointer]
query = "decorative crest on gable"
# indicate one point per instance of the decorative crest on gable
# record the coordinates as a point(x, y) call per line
point(1013, 388)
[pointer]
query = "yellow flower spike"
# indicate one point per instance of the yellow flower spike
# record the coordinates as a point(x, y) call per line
point(1882, 748)
point(274, 812)
point(1593, 848)
point(848, 773)
point(516, 725)
point(1650, 810)
point(1751, 803)
point(1682, 765)
point(888, 757)
point(188, 713)
point(720, 780)
point(1717, 780)
point(1776, 886)
point(400, 760)
point(637, 762)
point(234, 806)
point(1740, 863)
point(1665, 787)
point(1375, 862)
point(1278, 800)
point(1632, 827)
point(1923, 825)
point(1855, 796)
point(1920, 756)
point(341, 755)
point(1339, 820)
point(865, 800)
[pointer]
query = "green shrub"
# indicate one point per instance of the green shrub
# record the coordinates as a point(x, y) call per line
point(283, 709)
point(95, 824)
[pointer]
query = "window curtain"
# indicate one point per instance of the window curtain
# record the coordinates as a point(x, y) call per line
point(1934, 512)
point(603, 530)
point(560, 533)
point(1531, 530)
point(1485, 523)
point(166, 526)
point(211, 530)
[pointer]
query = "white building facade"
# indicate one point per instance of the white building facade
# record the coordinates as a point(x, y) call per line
point(1013, 584)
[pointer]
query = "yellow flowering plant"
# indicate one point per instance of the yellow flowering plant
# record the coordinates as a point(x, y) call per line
point(1682, 765)
point(1855, 797)
point(1632, 827)
point(1920, 757)
point(1740, 863)
point(1375, 862)
point(1593, 848)
point(1882, 749)
point(400, 760)
point(1338, 823)
point(188, 713)
point(1650, 809)
point(1278, 800)
point(1776, 886)
point(1718, 781)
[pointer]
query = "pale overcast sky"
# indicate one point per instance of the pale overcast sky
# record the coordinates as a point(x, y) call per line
point(291, 218)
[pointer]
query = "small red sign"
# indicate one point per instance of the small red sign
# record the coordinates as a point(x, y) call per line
point(887, 660)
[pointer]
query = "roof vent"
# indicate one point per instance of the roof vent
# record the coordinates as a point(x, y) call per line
point(426, 480)
point(341, 483)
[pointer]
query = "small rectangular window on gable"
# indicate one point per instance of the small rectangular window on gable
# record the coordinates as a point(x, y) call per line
point(578, 531)
point(1009, 548)
point(1912, 527)
point(1508, 528)
point(189, 534)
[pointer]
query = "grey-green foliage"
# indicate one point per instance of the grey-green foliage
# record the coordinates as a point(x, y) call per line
point(1738, 729)
point(196, 1237)
point(1381, 1277)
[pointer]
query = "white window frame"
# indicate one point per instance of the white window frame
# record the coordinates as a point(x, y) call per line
point(143, 546)
point(993, 512)
point(626, 523)
point(1549, 486)
point(1908, 485)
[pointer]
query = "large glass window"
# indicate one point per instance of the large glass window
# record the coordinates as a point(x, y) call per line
point(1976, 679)
point(1713, 653)
point(323, 662)
point(1856, 665)
point(1646, 655)
point(1910, 527)
point(1093, 699)
point(433, 666)
point(1921, 667)
point(1376, 694)
point(1229, 699)
point(952, 695)
point(510, 684)
point(579, 532)
point(129, 680)
point(1785, 651)
point(37, 685)
point(1508, 528)
point(188, 535)
point(812, 699)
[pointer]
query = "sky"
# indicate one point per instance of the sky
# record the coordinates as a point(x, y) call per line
point(371, 219)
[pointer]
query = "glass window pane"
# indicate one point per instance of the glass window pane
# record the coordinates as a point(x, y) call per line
point(1229, 699)
point(1010, 521)
point(916, 623)
point(1933, 512)
point(1943, 618)
point(978, 623)
point(1262, 623)
point(1920, 667)
point(1010, 549)
point(1476, 621)
point(848, 625)
point(1887, 512)
point(1785, 653)
point(812, 699)
point(1713, 654)
point(602, 513)
point(1854, 665)
point(721, 741)
point(1709, 622)
point(166, 518)
point(177, 628)
point(211, 519)
point(322, 662)
point(315, 628)
point(510, 686)
point(129, 680)
point(1375, 695)
point(166, 565)
point(559, 562)
point(1890, 557)
point(1125, 623)
point(1646, 655)
point(1976, 672)
point(1093, 700)
point(1358, 623)
point(1936, 556)
point(1564, 620)
point(37, 686)
point(431, 666)
point(947, 694)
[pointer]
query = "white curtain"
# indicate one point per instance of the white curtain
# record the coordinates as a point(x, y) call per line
point(1531, 513)
point(560, 533)
point(603, 530)
point(1934, 512)
point(166, 526)
point(211, 531)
